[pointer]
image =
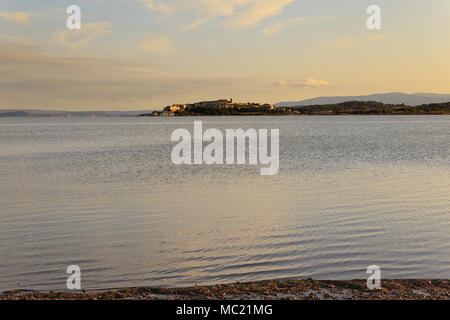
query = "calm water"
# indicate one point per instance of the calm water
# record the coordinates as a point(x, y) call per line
point(104, 195)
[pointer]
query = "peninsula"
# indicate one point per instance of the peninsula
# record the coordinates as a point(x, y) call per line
point(229, 108)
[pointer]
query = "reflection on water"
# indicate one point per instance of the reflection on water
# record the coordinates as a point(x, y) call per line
point(103, 194)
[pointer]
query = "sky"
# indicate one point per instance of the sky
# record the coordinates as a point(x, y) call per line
point(147, 54)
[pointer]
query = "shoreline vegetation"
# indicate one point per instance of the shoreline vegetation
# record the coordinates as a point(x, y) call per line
point(229, 108)
point(307, 289)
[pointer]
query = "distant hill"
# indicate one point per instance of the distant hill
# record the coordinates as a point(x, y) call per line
point(396, 98)
point(369, 108)
point(56, 113)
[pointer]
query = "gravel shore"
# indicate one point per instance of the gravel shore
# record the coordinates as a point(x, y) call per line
point(265, 290)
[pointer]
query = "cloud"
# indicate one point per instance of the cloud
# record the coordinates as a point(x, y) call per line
point(352, 42)
point(276, 27)
point(195, 24)
point(160, 6)
point(257, 11)
point(156, 44)
point(375, 37)
point(33, 78)
point(20, 18)
point(306, 83)
point(237, 13)
point(346, 42)
point(84, 36)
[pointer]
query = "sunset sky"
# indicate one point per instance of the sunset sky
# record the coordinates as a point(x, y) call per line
point(146, 54)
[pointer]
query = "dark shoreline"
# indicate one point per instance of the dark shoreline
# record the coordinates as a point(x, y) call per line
point(228, 108)
point(308, 289)
point(298, 115)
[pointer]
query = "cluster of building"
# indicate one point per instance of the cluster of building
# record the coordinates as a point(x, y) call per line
point(217, 104)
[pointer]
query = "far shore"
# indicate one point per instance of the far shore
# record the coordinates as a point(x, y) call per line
point(306, 289)
point(230, 108)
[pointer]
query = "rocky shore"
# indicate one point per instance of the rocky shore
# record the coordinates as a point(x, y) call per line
point(265, 290)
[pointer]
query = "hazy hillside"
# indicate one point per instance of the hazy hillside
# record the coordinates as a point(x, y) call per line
point(415, 99)
point(371, 108)
point(56, 113)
